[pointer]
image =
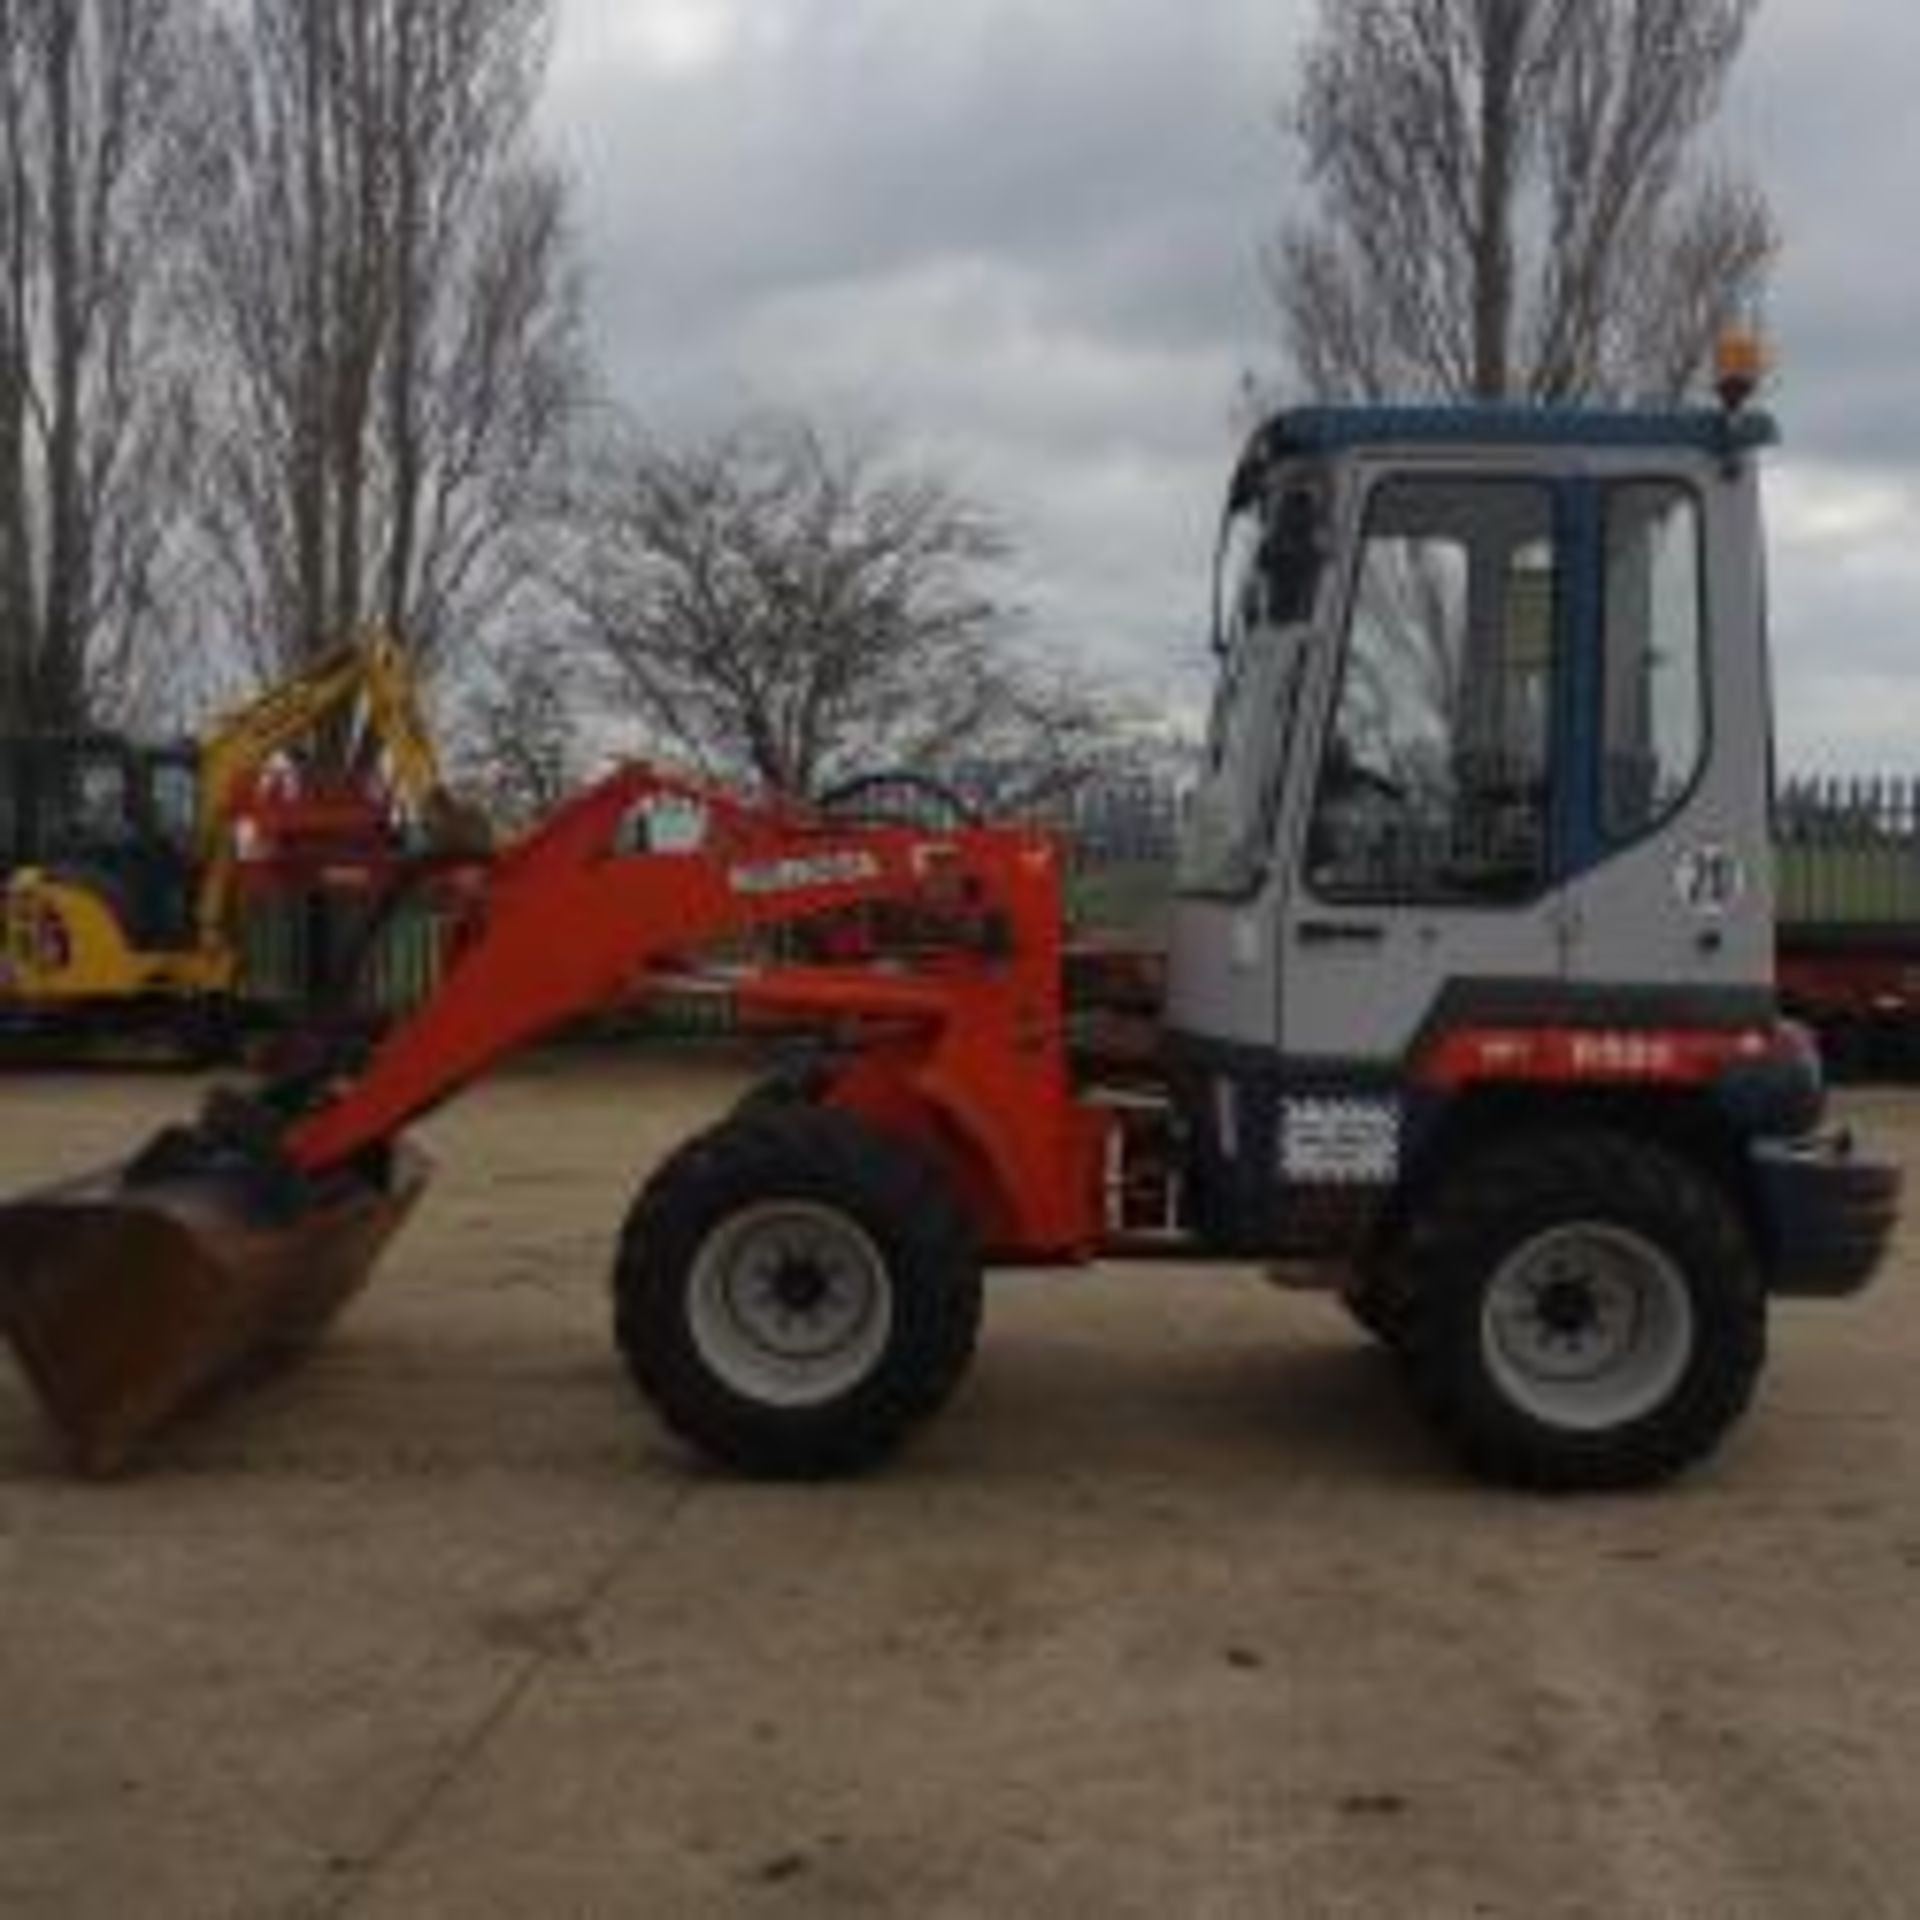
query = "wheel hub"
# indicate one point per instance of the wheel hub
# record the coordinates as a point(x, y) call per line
point(791, 1302)
point(800, 1287)
point(1567, 1309)
point(1587, 1326)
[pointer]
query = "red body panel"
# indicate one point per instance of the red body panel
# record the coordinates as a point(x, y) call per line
point(962, 1039)
point(1583, 1056)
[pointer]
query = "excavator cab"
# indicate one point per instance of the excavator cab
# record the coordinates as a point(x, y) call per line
point(97, 812)
point(103, 872)
point(109, 816)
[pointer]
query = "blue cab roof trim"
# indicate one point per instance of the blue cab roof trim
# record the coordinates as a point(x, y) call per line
point(1330, 429)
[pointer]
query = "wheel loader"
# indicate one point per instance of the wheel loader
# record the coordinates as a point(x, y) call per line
point(1469, 1014)
point(123, 862)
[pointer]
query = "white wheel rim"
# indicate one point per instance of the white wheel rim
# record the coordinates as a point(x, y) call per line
point(790, 1303)
point(1587, 1327)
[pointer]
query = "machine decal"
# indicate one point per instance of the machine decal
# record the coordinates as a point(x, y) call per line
point(798, 875)
point(672, 823)
point(1710, 880)
point(1553, 1056)
point(1332, 1142)
point(1623, 1056)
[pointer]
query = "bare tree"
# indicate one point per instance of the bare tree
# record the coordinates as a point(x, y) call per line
point(387, 314)
point(1508, 203)
point(93, 417)
point(778, 606)
point(522, 745)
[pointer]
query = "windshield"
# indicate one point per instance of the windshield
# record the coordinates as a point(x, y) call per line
point(84, 802)
point(1270, 561)
point(173, 792)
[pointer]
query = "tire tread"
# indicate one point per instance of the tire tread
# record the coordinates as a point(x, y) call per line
point(1455, 1245)
point(897, 1195)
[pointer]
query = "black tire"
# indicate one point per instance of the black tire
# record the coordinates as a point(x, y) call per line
point(797, 1083)
point(878, 1194)
point(1376, 1302)
point(1499, 1209)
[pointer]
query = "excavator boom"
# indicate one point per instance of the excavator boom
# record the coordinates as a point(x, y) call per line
point(367, 686)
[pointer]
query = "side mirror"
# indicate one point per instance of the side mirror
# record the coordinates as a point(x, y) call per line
point(1217, 640)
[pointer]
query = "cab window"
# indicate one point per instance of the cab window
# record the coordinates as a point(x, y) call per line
point(85, 802)
point(174, 790)
point(1655, 628)
point(1434, 780)
point(1271, 562)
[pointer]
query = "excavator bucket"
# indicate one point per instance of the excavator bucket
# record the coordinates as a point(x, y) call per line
point(127, 1300)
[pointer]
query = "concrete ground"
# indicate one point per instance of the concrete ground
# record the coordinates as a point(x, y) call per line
point(1176, 1613)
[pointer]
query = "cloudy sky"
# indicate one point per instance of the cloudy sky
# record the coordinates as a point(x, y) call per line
point(1022, 236)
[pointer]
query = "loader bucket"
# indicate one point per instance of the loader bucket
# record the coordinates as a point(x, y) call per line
point(127, 1302)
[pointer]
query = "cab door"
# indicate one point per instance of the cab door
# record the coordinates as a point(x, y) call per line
point(1670, 888)
point(1424, 853)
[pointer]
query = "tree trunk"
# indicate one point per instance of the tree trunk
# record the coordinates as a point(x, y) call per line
point(409, 335)
point(1507, 204)
point(403, 424)
point(56, 680)
point(18, 627)
point(307, 504)
point(1502, 24)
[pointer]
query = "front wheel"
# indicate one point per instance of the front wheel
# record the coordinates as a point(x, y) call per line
point(1376, 1302)
point(795, 1292)
point(1584, 1312)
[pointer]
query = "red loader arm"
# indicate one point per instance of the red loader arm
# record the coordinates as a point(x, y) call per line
point(959, 1045)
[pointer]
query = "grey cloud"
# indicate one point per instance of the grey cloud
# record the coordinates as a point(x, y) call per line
point(895, 132)
point(1017, 235)
point(1824, 116)
point(1026, 237)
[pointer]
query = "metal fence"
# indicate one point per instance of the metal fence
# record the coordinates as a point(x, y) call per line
point(1849, 852)
point(1120, 837)
point(1127, 823)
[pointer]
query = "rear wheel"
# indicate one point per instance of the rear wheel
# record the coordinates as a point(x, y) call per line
point(796, 1292)
point(1583, 1312)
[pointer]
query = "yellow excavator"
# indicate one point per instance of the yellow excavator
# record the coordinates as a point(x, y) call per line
point(123, 862)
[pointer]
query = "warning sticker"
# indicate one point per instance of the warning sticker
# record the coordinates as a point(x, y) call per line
point(1335, 1142)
